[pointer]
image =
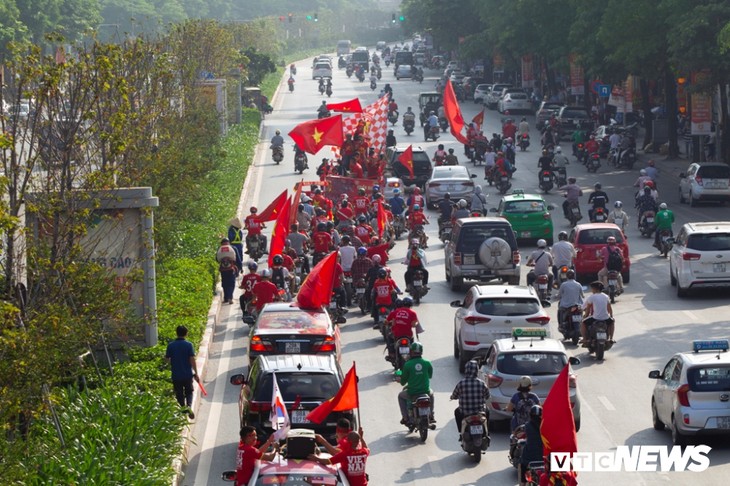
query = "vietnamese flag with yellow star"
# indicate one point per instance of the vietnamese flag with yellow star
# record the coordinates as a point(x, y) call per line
point(352, 106)
point(312, 135)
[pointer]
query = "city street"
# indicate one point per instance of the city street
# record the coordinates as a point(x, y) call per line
point(652, 323)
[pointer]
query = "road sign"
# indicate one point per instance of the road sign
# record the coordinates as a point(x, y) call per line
point(604, 90)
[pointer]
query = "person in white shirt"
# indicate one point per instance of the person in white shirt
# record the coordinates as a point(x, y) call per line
point(614, 140)
point(563, 253)
point(597, 307)
point(348, 253)
point(618, 216)
point(523, 127)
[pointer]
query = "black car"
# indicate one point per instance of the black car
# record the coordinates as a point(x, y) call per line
point(572, 117)
point(304, 380)
point(422, 167)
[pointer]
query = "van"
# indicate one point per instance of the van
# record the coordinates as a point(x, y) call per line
point(343, 47)
point(403, 57)
point(422, 167)
point(361, 58)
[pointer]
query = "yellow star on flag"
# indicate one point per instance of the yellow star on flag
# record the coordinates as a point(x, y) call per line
point(317, 135)
point(345, 108)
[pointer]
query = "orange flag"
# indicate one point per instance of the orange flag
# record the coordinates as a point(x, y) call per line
point(272, 210)
point(479, 119)
point(281, 230)
point(406, 158)
point(382, 218)
point(316, 290)
point(312, 135)
point(347, 398)
point(558, 426)
point(453, 113)
point(352, 106)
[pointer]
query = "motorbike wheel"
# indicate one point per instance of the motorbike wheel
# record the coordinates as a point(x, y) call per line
point(423, 430)
point(574, 339)
point(600, 350)
point(417, 298)
point(477, 457)
point(612, 294)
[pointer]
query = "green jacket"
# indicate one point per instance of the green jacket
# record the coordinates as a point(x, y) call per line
point(416, 376)
point(578, 136)
point(664, 219)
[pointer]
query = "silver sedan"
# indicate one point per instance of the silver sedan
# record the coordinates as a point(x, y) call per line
point(454, 179)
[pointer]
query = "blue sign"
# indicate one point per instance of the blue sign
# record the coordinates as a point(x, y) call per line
point(716, 345)
point(604, 90)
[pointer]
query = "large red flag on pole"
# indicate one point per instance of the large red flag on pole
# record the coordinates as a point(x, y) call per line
point(312, 135)
point(316, 290)
point(351, 106)
point(347, 398)
point(558, 425)
point(453, 113)
point(295, 203)
point(406, 158)
point(281, 230)
point(271, 212)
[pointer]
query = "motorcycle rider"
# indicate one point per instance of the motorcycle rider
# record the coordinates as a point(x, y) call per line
point(390, 140)
point(641, 181)
point(363, 230)
point(416, 380)
point(598, 199)
point(509, 129)
point(560, 164)
point(472, 394)
point(382, 293)
point(439, 156)
point(570, 294)
point(542, 261)
point(563, 253)
point(451, 159)
point(445, 207)
point(280, 276)
point(254, 227)
point(573, 192)
point(521, 402)
point(664, 220)
point(578, 137)
point(618, 216)
point(416, 260)
point(264, 291)
point(651, 171)
point(328, 89)
point(321, 242)
point(416, 199)
point(409, 117)
point(462, 211)
point(532, 451)
point(300, 242)
point(298, 152)
point(605, 253)
point(523, 128)
point(432, 122)
point(373, 80)
point(645, 203)
point(397, 204)
point(392, 107)
point(248, 282)
point(277, 141)
point(290, 82)
point(478, 201)
point(322, 111)
point(597, 307)
point(401, 322)
point(592, 146)
point(545, 164)
point(321, 86)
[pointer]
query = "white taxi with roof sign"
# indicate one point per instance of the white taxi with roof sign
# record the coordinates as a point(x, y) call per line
point(529, 352)
point(692, 392)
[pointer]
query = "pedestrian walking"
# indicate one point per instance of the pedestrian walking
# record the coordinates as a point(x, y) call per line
point(181, 356)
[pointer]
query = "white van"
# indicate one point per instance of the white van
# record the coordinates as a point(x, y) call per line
point(343, 47)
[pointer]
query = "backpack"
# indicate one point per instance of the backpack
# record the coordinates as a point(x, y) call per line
point(522, 409)
point(615, 260)
point(226, 265)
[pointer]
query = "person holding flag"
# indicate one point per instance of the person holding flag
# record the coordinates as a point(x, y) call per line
point(352, 459)
point(558, 428)
point(248, 454)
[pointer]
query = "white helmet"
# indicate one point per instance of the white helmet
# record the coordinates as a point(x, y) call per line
point(266, 273)
point(642, 172)
point(462, 203)
point(541, 243)
point(558, 149)
point(663, 206)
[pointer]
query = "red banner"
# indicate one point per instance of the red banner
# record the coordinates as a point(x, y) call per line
point(528, 72)
point(338, 186)
point(576, 76)
point(701, 107)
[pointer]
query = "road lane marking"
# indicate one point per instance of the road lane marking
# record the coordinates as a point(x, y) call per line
point(609, 406)
point(651, 284)
point(690, 314)
point(433, 462)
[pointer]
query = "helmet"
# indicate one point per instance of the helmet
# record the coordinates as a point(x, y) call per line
point(376, 188)
point(536, 412)
point(376, 258)
point(617, 204)
point(407, 302)
point(558, 149)
point(663, 206)
point(541, 243)
point(544, 151)
point(398, 303)
point(321, 227)
point(417, 190)
point(562, 235)
point(361, 218)
point(432, 113)
point(611, 239)
point(451, 151)
point(330, 225)
point(597, 185)
point(416, 207)
point(570, 274)
point(278, 260)
point(409, 108)
point(382, 273)
point(318, 190)
point(278, 132)
point(396, 191)
point(417, 348)
point(642, 172)
point(447, 195)
point(362, 251)
point(287, 242)
point(649, 184)
point(254, 210)
point(462, 203)
point(509, 140)
point(525, 382)
point(252, 265)
point(361, 191)
point(345, 239)
point(265, 273)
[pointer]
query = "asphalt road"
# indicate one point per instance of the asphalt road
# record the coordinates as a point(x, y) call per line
point(652, 324)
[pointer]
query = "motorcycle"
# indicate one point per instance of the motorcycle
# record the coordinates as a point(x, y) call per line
point(445, 229)
point(503, 184)
point(627, 158)
point(665, 242)
point(373, 85)
point(291, 87)
point(574, 214)
point(599, 215)
point(475, 435)
point(360, 76)
point(379, 74)
point(541, 287)
point(534, 472)
point(300, 162)
point(358, 297)
point(612, 285)
point(348, 284)
point(382, 313)
point(419, 233)
point(562, 275)
point(432, 133)
point(594, 163)
point(323, 114)
point(348, 71)
point(561, 175)
point(443, 123)
point(419, 413)
point(647, 226)
point(517, 440)
point(418, 77)
point(417, 289)
point(546, 181)
point(336, 313)
point(393, 117)
point(569, 324)
point(524, 142)
point(409, 126)
point(402, 349)
point(399, 226)
point(321, 89)
point(598, 339)
point(329, 91)
point(254, 245)
point(580, 153)
point(277, 153)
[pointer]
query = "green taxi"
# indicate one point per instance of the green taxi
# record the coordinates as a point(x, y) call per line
point(528, 214)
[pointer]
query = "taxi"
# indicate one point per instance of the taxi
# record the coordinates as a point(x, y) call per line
point(528, 214)
point(692, 392)
point(529, 352)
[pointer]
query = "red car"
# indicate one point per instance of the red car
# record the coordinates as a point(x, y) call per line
point(588, 240)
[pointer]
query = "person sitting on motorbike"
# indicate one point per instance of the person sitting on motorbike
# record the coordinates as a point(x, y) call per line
point(446, 208)
point(523, 128)
point(388, 89)
point(248, 282)
point(322, 111)
point(363, 230)
point(409, 116)
point(618, 216)
point(664, 220)
point(397, 203)
point(345, 214)
point(532, 451)
point(462, 211)
point(390, 140)
point(321, 85)
point(419, 72)
point(521, 402)
point(417, 217)
point(392, 107)
point(401, 322)
point(290, 82)
point(573, 192)
point(254, 226)
point(542, 261)
point(478, 201)
point(502, 165)
point(563, 253)
point(598, 199)
point(550, 137)
point(472, 394)
point(578, 137)
point(329, 86)
point(641, 180)
point(592, 146)
point(560, 160)
point(651, 171)
point(280, 276)
point(545, 164)
point(361, 202)
point(432, 122)
point(644, 204)
point(293, 69)
point(416, 260)
point(361, 265)
point(570, 293)
point(264, 291)
point(416, 380)
point(597, 307)
point(490, 160)
point(509, 150)
point(439, 156)
point(373, 80)
point(605, 252)
point(509, 129)
point(382, 294)
point(496, 142)
point(451, 159)
point(277, 140)
point(416, 199)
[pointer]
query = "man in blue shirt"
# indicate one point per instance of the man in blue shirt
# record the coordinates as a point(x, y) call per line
point(181, 356)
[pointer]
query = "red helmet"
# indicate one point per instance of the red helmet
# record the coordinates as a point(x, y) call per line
point(649, 184)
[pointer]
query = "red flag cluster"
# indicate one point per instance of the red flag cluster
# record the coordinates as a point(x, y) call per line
point(272, 211)
point(316, 290)
point(352, 106)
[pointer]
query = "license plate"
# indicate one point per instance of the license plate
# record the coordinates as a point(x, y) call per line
point(417, 283)
point(525, 234)
point(546, 179)
point(333, 305)
point(601, 335)
point(475, 429)
point(360, 291)
point(649, 220)
point(424, 411)
point(612, 282)
point(723, 422)
point(575, 210)
point(292, 348)
point(718, 267)
point(404, 350)
point(348, 279)
point(298, 417)
point(576, 318)
point(505, 179)
point(542, 286)
point(469, 260)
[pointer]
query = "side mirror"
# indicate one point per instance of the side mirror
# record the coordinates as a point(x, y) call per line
point(238, 379)
point(473, 176)
point(682, 175)
point(228, 476)
point(573, 360)
point(655, 374)
point(341, 320)
point(455, 303)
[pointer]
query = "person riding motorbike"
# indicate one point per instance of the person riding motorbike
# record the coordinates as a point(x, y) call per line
point(248, 282)
point(478, 201)
point(597, 307)
point(521, 402)
point(277, 140)
point(280, 276)
point(439, 156)
point(363, 230)
point(578, 137)
point(416, 380)
point(328, 88)
point(462, 211)
point(321, 86)
point(598, 199)
point(509, 129)
point(401, 322)
point(446, 208)
point(254, 226)
point(290, 83)
point(409, 116)
point(472, 394)
point(532, 451)
point(451, 159)
point(432, 122)
point(592, 146)
point(382, 293)
point(415, 199)
point(573, 192)
point(563, 253)
point(397, 203)
point(523, 128)
point(618, 216)
point(416, 260)
point(560, 163)
point(664, 220)
point(392, 107)
point(570, 293)
point(542, 261)
point(644, 204)
point(390, 140)
point(322, 111)
point(605, 255)
point(388, 89)
point(545, 164)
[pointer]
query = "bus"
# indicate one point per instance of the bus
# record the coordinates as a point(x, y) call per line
point(343, 47)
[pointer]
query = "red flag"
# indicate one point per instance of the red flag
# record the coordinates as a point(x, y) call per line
point(382, 218)
point(312, 135)
point(479, 119)
point(352, 106)
point(281, 230)
point(316, 290)
point(272, 210)
point(406, 158)
point(346, 399)
point(453, 113)
point(558, 426)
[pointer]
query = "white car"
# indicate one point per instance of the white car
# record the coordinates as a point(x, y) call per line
point(454, 179)
point(700, 257)
point(514, 102)
point(491, 312)
point(705, 182)
point(322, 70)
point(494, 94)
point(391, 184)
point(481, 92)
point(403, 71)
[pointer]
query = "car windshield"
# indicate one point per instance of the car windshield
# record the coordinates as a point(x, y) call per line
point(306, 386)
point(574, 114)
point(297, 479)
point(506, 307)
point(709, 378)
point(714, 172)
point(599, 236)
point(550, 107)
point(709, 242)
point(300, 320)
point(531, 363)
point(450, 174)
point(524, 207)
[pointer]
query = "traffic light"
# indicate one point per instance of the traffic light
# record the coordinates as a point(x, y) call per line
point(402, 18)
point(316, 19)
point(291, 18)
point(393, 18)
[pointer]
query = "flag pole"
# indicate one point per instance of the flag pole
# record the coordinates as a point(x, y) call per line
point(357, 393)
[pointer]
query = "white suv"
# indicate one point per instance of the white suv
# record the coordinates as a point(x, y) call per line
point(700, 256)
point(706, 182)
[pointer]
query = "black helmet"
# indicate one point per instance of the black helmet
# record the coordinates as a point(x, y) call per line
point(330, 225)
point(278, 260)
point(597, 185)
point(570, 274)
point(536, 412)
point(362, 218)
point(321, 227)
point(447, 195)
point(398, 303)
point(345, 239)
point(407, 302)
point(562, 235)
point(382, 273)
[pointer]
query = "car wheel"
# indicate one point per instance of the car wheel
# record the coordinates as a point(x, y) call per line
point(692, 201)
point(658, 424)
point(464, 358)
point(682, 200)
point(456, 283)
point(678, 438)
point(681, 292)
point(672, 278)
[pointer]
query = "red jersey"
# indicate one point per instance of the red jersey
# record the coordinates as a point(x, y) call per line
point(353, 463)
point(414, 258)
point(253, 225)
point(321, 241)
point(319, 201)
point(509, 130)
point(345, 213)
point(337, 276)
point(356, 170)
point(383, 290)
point(418, 217)
point(591, 146)
point(404, 320)
point(264, 292)
point(363, 231)
point(373, 169)
point(288, 262)
point(248, 282)
point(381, 250)
point(245, 463)
point(416, 199)
point(361, 204)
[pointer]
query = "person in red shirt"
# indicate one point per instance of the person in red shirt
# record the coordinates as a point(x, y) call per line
point(321, 243)
point(352, 460)
point(248, 454)
point(248, 282)
point(320, 201)
point(363, 230)
point(509, 130)
point(401, 321)
point(361, 202)
point(345, 213)
point(417, 217)
point(347, 150)
point(384, 290)
point(356, 166)
point(343, 428)
point(254, 226)
point(416, 199)
point(264, 291)
point(591, 145)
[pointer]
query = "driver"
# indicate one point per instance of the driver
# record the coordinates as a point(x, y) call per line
point(542, 260)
